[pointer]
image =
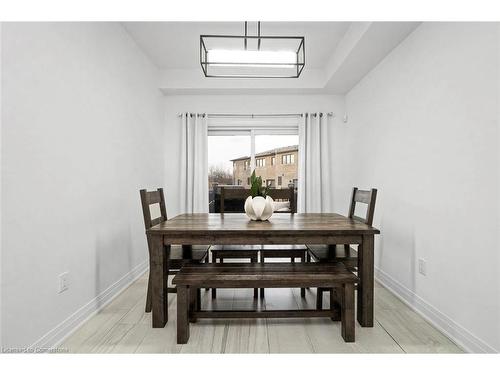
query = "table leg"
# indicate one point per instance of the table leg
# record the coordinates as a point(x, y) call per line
point(366, 284)
point(159, 273)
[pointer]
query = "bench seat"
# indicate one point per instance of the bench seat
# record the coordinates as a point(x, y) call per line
point(264, 275)
point(271, 275)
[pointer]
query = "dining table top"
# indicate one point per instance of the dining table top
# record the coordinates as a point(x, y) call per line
point(279, 223)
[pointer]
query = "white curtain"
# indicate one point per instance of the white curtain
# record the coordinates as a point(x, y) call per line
point(315, 184)
point(194, 165)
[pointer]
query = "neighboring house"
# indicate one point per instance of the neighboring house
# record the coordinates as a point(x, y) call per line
point(277, 167)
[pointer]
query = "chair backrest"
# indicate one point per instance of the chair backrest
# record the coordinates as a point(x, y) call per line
point(242, 194)
point(147, 199)
point(367, 197)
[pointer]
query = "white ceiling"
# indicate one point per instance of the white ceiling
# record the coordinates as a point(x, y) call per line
point(338, 54)
point(175, 45)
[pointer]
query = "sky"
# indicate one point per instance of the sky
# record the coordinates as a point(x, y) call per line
point(221, 149)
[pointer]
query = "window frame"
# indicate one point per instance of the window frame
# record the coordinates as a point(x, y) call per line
point(253, 127)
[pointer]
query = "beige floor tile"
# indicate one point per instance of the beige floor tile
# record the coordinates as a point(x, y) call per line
point(124, 327)
point(374, 340)
point(93, 332)
point(114, 336)
point(413, 333)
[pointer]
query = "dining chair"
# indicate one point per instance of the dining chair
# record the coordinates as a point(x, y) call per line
point(292, 252)
point(219, 253)
point(179, 254)
point(323, 253)
point(237, 197)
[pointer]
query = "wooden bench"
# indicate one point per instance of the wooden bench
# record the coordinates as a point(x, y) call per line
point(269, 275)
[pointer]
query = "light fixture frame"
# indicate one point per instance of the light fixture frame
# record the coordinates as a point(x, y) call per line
point(299, 66)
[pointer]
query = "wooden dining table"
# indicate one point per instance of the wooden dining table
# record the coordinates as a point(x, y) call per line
point(281, 229)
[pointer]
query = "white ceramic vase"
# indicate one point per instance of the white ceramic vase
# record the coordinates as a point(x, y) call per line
point(259, 208)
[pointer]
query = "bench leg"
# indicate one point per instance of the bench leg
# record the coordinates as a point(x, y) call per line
point(347, 314)
point(319, 299)
point(335, 304)
point(182, 315)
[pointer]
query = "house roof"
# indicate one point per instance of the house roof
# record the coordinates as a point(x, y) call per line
point(274, 151)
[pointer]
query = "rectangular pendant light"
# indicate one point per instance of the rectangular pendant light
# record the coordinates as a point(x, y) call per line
point(277, 59)
point(232, 56)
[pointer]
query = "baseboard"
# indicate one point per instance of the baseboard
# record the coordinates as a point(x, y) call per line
point(59, 333)
point(455, 332)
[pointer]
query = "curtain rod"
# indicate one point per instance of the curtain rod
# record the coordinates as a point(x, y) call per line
point(253, 115)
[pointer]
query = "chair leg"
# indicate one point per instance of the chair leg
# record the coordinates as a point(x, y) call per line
point(335, 304)
point(214, 291)
point(255, 290)
point(308, 260)
point(347, 314)
point(182, 314)
point(149, 300)
point(198, 299)
point(193, 303)
point(303, 290)
point(319, 299)
point(347, 251)
point(207, 260)
point(262, 261)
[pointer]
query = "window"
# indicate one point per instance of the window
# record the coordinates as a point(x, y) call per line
point(236, 148)
point(227, 157)
point(288, 159)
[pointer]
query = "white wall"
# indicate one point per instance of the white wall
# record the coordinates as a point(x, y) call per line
point(1, 207)
point(176, 104)
point(423, 129)
point(82, 133)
